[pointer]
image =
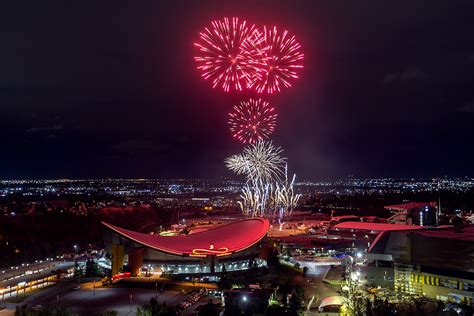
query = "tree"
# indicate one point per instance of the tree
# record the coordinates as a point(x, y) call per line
point(92, 268)
point(275, 310)
point(62, 311)
point(77, 270)
point(44, 311)
point(294, 305)
point(210, 309)
point(272, 260)
point(143, 310)
point(284, 290)
point(355, 306)
point(378, 307)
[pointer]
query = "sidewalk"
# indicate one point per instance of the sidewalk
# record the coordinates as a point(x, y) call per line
point(9, 311)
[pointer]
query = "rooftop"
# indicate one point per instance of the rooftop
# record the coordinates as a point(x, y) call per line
point(467, 233)
point(375, 226)
point(220, 241)
point(333, 301)
point(409, 206)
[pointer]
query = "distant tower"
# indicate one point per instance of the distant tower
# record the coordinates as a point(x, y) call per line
point(439, 199)
point(438, 214)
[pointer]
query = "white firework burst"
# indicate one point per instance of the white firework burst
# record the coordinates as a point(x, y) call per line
point(238, 164)
point(260, 161)
point(267, 191)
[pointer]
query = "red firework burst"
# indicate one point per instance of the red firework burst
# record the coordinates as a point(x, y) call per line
point(276, 56)
point(221, 57)
point(252, 120)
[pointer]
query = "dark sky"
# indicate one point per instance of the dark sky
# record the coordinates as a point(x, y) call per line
point(110, 89)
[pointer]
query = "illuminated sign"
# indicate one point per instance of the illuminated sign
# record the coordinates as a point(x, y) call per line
point(200, 252)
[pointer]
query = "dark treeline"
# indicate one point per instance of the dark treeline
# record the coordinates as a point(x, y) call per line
point(35, 236)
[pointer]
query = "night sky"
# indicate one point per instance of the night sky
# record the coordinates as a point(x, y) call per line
point(110, 89)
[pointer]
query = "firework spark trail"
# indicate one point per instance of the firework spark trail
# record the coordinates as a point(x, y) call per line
point(266, 199)
point(252, 120)
point(285, 197)
point(276, 56)
point(267, 191)
point(222, 59)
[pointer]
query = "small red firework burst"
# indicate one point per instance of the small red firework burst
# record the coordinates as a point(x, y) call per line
point(252, 120)
point(276, 56)
point(221, 58)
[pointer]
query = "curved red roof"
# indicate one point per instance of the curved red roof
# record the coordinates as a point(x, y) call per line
point(223, 240)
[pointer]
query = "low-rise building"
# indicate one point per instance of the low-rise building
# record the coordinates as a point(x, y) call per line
point(437, 263)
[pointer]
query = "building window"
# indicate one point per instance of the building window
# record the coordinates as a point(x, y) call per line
point(468, 287)
point(452, 284)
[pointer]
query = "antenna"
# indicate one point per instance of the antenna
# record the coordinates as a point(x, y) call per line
point(439, 203)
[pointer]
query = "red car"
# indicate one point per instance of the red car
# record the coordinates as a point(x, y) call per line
point(120, 276)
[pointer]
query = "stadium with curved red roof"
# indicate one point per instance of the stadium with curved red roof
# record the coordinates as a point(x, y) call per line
point(234, 237)
point(230, 242)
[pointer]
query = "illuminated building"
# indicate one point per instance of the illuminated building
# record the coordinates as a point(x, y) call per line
point(234, 245)
point(437, 263)
point(417, 213)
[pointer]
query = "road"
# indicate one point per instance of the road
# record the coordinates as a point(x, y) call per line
point(88, 301)
point(313, 283)
point(49, 295)
point(123, 300)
